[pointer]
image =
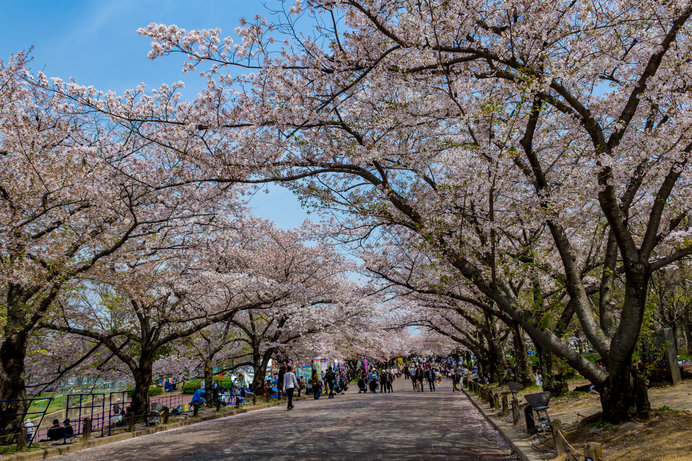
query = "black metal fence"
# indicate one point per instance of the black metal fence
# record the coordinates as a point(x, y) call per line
point(15, 414)
point(108, 412)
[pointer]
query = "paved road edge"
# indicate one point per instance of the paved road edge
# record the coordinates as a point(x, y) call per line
point(79, 446)
point(520, 444)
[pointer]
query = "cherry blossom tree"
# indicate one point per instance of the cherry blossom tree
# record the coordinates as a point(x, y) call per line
point(318, 297)
point(512, 117)
point(218, 346)
point(139, 306)
point(76, 191)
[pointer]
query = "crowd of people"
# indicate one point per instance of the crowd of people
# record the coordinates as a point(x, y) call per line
point(431, 371)
point(329, 382)
point(373, 379)
point(421, 371)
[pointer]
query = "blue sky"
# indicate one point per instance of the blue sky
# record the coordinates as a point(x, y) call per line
point(96, 43)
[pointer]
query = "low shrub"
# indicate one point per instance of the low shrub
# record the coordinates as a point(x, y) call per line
point(189, 387)
point(153, 391)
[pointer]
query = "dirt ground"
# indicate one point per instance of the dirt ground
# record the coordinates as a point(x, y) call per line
point(667, 435)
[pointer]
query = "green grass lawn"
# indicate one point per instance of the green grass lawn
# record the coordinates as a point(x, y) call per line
point(55, 404)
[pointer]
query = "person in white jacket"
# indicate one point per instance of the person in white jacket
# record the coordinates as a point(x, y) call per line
point(290, 384)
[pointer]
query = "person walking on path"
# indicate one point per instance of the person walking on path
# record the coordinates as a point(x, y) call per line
point(330, 377)
point(290, 383)
point(430, 375)
point(316, 385)
point(420, 378)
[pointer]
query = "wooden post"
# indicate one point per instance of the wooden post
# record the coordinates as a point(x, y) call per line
point(218, 404)
point(195, 409)
point(505, 406)
point(86, 429)
point(496, 401)
point(166, 413)
point(528, 415)
point(254, 399)
point(515, 410)
point(131, 422)
point(237, 401)
point(22, 438)
point(593, 451)
point(558, 437)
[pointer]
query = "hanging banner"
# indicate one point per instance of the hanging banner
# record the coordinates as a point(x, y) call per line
point(365, 364)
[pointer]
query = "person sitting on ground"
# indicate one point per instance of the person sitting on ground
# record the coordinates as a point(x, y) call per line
point(69, 431)
point(119, 418)
point(56, 432)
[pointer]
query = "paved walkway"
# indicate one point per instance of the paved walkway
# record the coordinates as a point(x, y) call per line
point(400, 425)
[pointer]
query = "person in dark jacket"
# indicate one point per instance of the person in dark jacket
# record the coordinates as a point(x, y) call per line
point(280, 382)
point(330, 377)
point(430, 376)
point(69, 431)
point(56, 432)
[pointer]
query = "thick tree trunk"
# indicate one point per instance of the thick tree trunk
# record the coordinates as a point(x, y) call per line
point(522, 364)
point(624, 395)
point(552, 372)
point(494, 365)
point(259, 367)
point(688, 328)
point(498, 365)
point(143, 378)
point(209, 383)
point(12, 386)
